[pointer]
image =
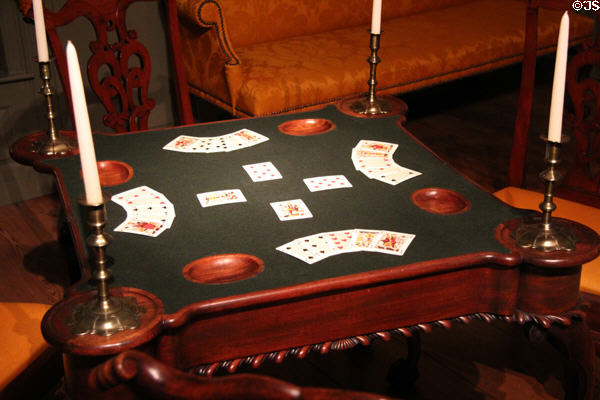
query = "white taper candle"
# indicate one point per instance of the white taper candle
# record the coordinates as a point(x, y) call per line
point(558, 87)
point(40, 31)
point(89, 168)
point(376, 17)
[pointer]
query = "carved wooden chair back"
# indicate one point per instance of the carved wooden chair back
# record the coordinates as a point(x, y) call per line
point(139, 373)
point(582, 182)
point(116, 49)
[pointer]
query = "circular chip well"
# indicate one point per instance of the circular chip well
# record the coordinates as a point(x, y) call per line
point(223, 268)
point(306, 127)
point(440, 201)
point(113, 173)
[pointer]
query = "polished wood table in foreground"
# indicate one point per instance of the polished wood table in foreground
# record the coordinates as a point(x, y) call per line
point(216, 294)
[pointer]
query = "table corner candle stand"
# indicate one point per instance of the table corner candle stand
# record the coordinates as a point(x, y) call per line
point(49, 144)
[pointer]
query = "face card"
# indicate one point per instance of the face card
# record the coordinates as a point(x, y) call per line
point(248, 137)
point(182, 143)
point(291, 209)
point(219, 197)
point(142, 227)
point(375, 147)
point(364, 239)
point(264, 171)
point(329, 182)
point(394, 243)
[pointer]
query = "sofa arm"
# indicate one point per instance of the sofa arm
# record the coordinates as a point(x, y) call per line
point(204, 32)
point(208, 14)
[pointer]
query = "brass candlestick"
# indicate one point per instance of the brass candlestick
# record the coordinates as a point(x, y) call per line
point(52, 144)
point(547, 235)
point(371, 105)
point(105, 315)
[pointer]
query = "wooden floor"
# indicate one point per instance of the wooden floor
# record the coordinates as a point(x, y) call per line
point(469, 124)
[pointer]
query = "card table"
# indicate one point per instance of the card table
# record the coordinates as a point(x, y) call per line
point(246, 303)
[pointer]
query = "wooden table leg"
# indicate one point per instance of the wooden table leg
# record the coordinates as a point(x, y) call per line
point(404, 372)
point(575, 344)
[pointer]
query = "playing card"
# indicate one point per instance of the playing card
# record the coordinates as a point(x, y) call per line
point(341, 241)
point(392, 242)
point(220, 143)
point(370, 165)
point(142, 227)
point(219, 197)
point(300, 251)
point(264, 171)
point(213, 145)
point(364, 239)
point(375, 147)
point(248, 137)
point(317, 244)
point(395, 175)
point(145, 201)
point(291, 209)
point(235, 142)
point(319, 183)
point(163, 212)
point(130, 195)
point(182, 143)
point(152, 206)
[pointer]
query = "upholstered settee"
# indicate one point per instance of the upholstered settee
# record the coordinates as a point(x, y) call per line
point(261, 57)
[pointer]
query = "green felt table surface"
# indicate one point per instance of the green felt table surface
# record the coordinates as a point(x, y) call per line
point(252, 227)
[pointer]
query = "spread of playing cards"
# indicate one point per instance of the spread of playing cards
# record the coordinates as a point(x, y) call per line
point(229, 142)
point(148, 212)
point(317, 247)
point(375, 160)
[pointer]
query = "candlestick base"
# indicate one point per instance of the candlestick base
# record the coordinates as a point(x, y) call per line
point(367, 106)
point(545, 237)
point(547, 234)
point(53, 145)
point(105, 317)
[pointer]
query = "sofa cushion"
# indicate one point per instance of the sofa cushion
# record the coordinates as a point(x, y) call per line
point(259, 21)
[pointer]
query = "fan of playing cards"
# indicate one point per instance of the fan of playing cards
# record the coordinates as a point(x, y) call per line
point(375, 160)
point(313, 248)
point(229, 142)
point(148, 212)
